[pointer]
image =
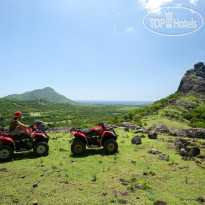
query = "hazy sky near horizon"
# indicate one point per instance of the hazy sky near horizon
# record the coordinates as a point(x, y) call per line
point(93, 49)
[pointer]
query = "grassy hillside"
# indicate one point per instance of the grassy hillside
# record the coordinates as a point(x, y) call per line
point(47, 94)
point(59, 115)
point(132, 176)
point(188, 110)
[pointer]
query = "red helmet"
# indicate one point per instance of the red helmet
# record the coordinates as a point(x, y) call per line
point(18, 114)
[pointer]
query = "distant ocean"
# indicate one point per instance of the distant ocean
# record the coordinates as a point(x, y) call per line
point(115, 102)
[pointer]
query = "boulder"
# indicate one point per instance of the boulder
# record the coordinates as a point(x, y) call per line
point(154, 151)
point(183, 152)
point(193, 151)
point(141, 130)
point(152, 135)
point(181, 143)
point(126, 129)
point(130, 125)
point(192, 133)
point(161, 128)
point(40, 125)
point(136, 140)
point(125, 136)
point(164, 157)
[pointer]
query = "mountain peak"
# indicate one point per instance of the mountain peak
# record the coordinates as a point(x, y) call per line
point(48, 88)
point(193, 81)
point(48, 94)
point(199, 66)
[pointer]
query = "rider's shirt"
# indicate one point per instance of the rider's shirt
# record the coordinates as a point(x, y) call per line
point(13, 124)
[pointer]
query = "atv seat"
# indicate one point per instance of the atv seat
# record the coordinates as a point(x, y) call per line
point(87, 132)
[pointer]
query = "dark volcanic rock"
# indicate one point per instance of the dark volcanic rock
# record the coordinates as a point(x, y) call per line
point(129, 125)
point(154, 151)
point(194, 80)
point(186, 105)
point(183, 152)
point(161, 128)
point(164, 157)
point(136, 140)
point(193, 151)
point(201, 156)
point(122, 201)
point(152, 135)
point(190, 152)
point(40, 125)
point(125, 136)
point(181, 143)
point(127, 129)
point(200, 199)
point(192, 133)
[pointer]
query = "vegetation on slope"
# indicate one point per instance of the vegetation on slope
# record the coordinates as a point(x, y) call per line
point(177, 107)
point(59, 115)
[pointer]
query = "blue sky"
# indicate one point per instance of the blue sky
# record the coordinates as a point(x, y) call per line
point(93, 49)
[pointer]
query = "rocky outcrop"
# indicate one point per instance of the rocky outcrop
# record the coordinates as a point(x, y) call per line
point(129, 125)
point(194, 80)
point(161, 128)
point(192, 133)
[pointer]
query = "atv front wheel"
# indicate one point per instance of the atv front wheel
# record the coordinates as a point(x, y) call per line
point(6, 152)
point(110, 146)
point(41, 149)
point(78, 147)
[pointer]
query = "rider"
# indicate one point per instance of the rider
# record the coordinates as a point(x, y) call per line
point(16, 126)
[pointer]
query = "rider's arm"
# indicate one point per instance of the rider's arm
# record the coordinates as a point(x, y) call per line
point(21, 125)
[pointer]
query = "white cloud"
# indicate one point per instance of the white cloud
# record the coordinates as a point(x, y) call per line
point(154, 4)
point(129, 30)
point(193, 1)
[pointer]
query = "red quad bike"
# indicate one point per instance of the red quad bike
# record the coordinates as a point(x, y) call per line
point(23, 142)
point(96, 137)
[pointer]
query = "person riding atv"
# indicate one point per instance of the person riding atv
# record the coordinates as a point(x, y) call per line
point(16, 126)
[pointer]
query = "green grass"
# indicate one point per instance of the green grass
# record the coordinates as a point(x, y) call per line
point(64, 179)
point(171, 125)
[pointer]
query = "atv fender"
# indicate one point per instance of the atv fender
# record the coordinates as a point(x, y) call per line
point(105, 135)
point(40, 136)
point(78, 134)
point(7, 141)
